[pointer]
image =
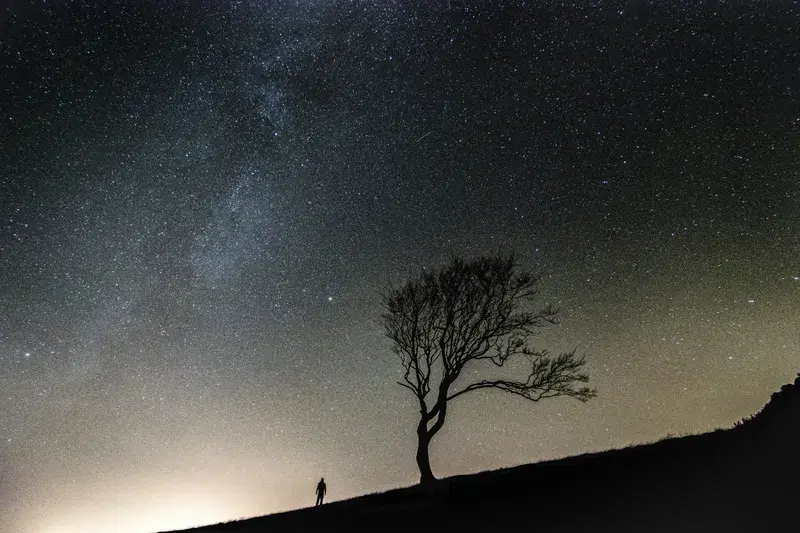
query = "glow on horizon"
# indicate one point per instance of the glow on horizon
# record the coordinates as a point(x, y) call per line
point(163, 508)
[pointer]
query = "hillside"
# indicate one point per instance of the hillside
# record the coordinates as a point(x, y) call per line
point(735, 480)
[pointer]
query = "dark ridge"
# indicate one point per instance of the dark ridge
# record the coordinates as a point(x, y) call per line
point(740, 479)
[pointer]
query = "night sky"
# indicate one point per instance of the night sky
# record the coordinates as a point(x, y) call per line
point(200, 203)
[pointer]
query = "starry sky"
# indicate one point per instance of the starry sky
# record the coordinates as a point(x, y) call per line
point(201, 202)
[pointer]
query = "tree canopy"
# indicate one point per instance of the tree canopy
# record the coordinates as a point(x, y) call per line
point(467, 313)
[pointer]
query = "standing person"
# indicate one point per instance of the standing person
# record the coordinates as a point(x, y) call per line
point(321, 490)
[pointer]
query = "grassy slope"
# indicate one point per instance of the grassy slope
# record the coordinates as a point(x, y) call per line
point(742, 479)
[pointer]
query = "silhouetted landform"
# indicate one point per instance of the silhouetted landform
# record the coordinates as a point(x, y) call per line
point(742, 479)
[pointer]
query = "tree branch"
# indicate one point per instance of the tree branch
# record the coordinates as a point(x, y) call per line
point(548, 378)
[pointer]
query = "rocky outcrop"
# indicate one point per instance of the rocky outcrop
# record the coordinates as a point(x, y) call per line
point(779, 420)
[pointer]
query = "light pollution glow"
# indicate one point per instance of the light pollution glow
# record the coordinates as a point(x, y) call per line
point(140, 509)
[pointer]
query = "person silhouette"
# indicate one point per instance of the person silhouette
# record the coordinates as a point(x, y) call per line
point(321, 490)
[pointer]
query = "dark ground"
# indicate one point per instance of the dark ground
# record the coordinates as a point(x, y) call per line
point(741, 479)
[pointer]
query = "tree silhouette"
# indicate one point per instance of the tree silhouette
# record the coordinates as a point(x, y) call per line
point(465, 314)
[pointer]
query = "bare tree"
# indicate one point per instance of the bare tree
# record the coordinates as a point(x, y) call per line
point(464, 314)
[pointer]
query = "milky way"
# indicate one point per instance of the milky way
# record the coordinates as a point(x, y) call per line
point(201, 202)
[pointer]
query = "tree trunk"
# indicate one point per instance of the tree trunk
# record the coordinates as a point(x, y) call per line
point(423, 458)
